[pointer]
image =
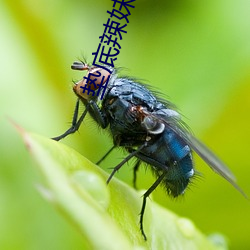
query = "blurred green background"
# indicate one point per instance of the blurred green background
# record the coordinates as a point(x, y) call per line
point(195, 52)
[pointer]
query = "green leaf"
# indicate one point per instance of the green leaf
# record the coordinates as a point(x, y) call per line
point(107, 215)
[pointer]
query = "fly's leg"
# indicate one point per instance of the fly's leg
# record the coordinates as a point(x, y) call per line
point(94, 111)
point(125, 160)
point(97, 114)
point(105, 155)
point(75, 124)
point(135, 169)
point(145, 196)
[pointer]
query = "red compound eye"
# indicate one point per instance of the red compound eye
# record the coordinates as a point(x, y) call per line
point(93, 73)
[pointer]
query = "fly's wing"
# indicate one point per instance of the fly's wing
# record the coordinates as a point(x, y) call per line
point(175, 124)
point(212, 160)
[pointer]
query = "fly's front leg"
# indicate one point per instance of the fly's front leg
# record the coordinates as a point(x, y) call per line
point(75, 124)
point(95, 112)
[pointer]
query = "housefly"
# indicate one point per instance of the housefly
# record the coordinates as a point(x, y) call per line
point(148, 127)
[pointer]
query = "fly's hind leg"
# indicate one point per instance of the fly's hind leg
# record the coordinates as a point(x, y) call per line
point(135, 169)
point(145, 196)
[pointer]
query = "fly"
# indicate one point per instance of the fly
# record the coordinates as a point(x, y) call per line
point(149, 128)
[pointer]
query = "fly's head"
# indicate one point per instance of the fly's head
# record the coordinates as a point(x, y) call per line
point(95, 76)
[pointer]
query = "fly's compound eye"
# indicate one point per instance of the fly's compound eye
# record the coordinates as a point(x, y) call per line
point(95, 78)
point(152, 125)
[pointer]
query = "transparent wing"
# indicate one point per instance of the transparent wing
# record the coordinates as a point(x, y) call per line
point(175, 124)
